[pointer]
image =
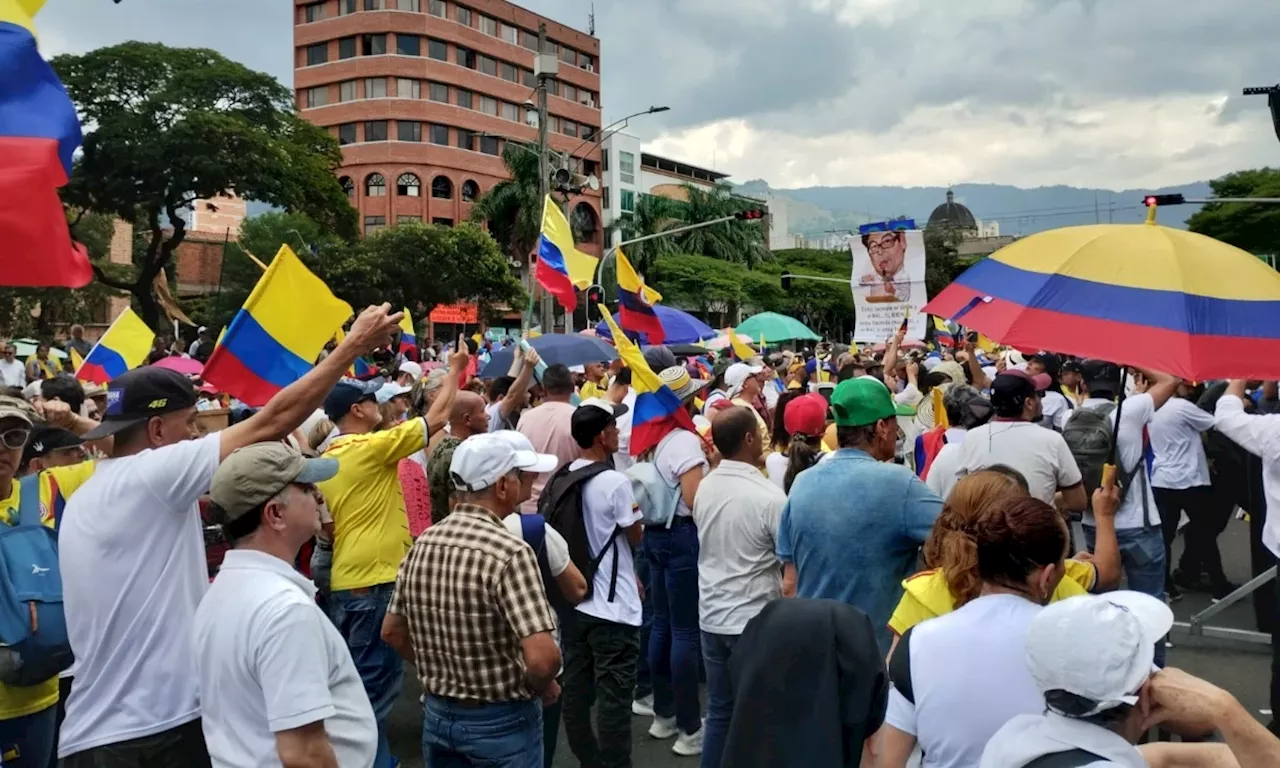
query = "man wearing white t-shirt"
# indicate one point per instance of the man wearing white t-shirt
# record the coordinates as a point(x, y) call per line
point(1012, 438)
point(1138, 519)
point(132, 560)
point(277, 683)
point(602, 639)
point(12, 371)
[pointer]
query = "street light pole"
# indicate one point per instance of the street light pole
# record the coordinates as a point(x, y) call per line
point(546, 69)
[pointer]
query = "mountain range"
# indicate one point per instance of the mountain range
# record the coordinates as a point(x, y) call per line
point(813, 211)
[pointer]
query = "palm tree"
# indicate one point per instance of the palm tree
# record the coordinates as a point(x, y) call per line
point(739, 242)
point(512, 207)
point(652, 214)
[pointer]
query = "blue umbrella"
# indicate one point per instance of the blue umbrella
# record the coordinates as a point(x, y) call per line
point(680, 327)
point(553, 348)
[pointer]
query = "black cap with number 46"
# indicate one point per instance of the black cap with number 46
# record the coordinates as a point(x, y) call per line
point(139, 395)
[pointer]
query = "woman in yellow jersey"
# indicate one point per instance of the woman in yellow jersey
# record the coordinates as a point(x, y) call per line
point(951, 552)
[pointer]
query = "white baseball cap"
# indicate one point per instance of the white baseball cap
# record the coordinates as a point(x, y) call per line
point(527, 457)
point(390, 390)
point(737, 374)
point(410, 367)
point(482, 460)
point(1098, 647)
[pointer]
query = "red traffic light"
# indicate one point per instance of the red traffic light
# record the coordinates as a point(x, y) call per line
point(1154, 200)
point(595, 294)
point(751, 214)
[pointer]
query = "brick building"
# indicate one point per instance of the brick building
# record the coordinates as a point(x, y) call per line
point(423, 94)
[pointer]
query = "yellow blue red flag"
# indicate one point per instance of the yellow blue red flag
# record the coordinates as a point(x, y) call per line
point(123, 347)
point(562, 268)
point(636, 301)
point(657, 410)
point(408, 341)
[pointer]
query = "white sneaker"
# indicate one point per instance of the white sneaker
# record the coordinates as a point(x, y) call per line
point(663, 728)
point(643, 707)
point(688, 744)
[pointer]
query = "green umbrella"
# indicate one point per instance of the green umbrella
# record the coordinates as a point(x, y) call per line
point(27, 347)
point(775, 327)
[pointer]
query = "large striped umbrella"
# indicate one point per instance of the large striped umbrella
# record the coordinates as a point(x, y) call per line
point(1137, 294)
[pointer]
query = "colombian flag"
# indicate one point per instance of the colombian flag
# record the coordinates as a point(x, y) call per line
point(39, 131)
point(635, 303)
point(275, 338)
point(562, 268)
point(657, 410)
point(408, 341)
point(122, 348)
point(740, 349)
point(942, 333)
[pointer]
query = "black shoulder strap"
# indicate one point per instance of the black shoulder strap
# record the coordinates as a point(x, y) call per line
point(1075, 758)
point(900, 668)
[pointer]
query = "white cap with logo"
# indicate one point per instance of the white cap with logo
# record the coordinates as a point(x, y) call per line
point(482, 460)
point(737, 374)
point(1099, 647)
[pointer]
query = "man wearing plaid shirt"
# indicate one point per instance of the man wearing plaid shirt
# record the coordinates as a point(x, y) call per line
point(470, 611)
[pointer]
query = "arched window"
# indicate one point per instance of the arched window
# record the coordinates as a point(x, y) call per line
point(375, 185)
point(348, 187)
point(585, 221)
point(442, 188)
point(408, 185)
point(470, 191)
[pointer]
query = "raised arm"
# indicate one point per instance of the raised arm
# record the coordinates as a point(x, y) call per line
point(520, 387)
point(438, 414)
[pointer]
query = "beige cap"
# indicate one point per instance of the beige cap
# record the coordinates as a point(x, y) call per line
point(17, 408)
point(253, 474)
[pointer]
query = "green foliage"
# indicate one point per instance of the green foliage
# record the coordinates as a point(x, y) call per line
point(652, 214)
point(1254, 227)
point(733, 241)
point(172, 125)
point(511, 207)
point(942, 263)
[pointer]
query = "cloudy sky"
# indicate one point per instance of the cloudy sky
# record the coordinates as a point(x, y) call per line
point(1118, 94)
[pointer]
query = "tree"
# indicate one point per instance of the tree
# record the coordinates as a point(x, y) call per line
point(652, 214)
point(825, 307)
point(511, 207)
point(731, 241)
point(1254, 227)
point(168, 126)
point(420, 266)
point(943, 264)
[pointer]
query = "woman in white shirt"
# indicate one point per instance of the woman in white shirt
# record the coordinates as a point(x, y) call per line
point(958, 678)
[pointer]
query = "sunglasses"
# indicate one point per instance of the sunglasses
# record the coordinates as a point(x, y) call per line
point(15, 438)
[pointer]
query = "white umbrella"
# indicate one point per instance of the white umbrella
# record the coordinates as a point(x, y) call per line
point(722, 341)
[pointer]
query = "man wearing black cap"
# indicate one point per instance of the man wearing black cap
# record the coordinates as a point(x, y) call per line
point(1012, 438)
point(1053, 404)
point(602, 640)
point(50, 447)
point(131, 552)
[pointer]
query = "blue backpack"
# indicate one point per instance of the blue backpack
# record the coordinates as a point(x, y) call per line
point(656, 498)
point(33, 629)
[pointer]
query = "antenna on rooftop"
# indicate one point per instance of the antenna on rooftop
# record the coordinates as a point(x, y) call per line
point(591, 21)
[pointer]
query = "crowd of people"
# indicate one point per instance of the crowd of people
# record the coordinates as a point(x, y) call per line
point(867, 558)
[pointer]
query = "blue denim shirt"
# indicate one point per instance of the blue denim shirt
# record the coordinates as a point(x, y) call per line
point(852, 527)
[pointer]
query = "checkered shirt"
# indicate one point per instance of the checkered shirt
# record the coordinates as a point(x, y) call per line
point(470, 591)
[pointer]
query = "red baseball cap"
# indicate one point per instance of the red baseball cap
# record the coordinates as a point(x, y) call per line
point(806, 415)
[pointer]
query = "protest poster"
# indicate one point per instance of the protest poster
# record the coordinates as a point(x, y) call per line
point(888, 280)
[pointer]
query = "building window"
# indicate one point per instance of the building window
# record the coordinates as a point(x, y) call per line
point(346, 48)
point(487, 65)
point(439, 134)
point(373, 45)
point(442, 222)
point(511, 34)
point(347, 90)
point(569, 56)
point(489, 26)
point(569, 92)
point(437, 49)
point(317, 97)
point(375, 130)
point(587, 220)
point(585, 62)
point(628, 200)
point(510, 73)
point(553, 124)
point(627, 167)
point(466, 139)
point(408, 45)
point(317, 54)
point(465, 57)
point(442, 188)
point(374, 223)
point(373, 5)
point(570, 128)
point(409, 5)
point(347, 133)
point(490, 146)
point(348, 187)
point(408, 184)
point(464, 97)
point(346, 6)
point(604, 198)
point(489, 106)
point(408, 130)
point(551, 47)
point(406, 218)
point(375, 185)
point(313, 13)
point(510, 112)
point(604, 161)
point(530, 80)
point(470, 191)
point(437, 8)
point(528, 40)
point(375, 88)
point(553, 87)
point(587, 131)
point(464, 16)
point(438, 92)
point(407, 88)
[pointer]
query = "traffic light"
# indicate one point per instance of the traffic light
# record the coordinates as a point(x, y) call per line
point(786, 283)
point(595, 295)
point(1152, 200)
point(751, 214)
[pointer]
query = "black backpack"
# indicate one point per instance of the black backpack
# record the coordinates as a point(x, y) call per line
point(1090, 434)
point(561, 506)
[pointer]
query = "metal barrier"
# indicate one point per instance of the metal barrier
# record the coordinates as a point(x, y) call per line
point(1197, 626)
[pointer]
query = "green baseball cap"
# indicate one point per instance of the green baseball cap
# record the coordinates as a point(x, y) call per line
point(861, 401)
point(253, 474)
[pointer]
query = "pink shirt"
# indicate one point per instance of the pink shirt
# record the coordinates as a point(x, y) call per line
point(548, 428)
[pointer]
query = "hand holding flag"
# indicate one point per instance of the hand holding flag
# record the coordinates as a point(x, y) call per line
point(657, 410)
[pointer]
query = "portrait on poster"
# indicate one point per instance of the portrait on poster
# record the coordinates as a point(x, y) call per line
point(888, 280)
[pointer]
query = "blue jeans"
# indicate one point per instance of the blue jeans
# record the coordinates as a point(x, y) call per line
point(1142, 557)
point(644, 678)
point(358, 614)
point(716, 650)
point(673, 640)
point(29, 741)
point(505, 734)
